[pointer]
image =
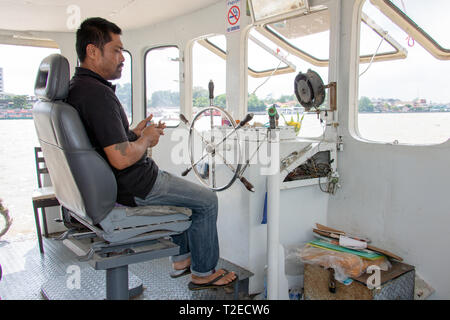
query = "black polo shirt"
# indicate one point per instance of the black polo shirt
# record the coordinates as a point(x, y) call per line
point(106, 124)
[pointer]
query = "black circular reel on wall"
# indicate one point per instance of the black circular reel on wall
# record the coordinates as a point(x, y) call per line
point(309, 89)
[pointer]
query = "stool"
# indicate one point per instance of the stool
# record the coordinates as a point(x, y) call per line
point(42, 197)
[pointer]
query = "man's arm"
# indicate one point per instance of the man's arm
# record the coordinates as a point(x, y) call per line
point(124, 154)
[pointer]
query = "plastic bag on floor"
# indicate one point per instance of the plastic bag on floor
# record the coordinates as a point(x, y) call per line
point(345, 265)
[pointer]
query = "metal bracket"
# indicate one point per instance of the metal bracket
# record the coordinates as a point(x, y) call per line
point(333, 95)
point(66, 235)
point(88, 256)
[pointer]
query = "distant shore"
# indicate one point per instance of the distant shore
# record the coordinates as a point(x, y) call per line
point(399, 112)
point(21, 118)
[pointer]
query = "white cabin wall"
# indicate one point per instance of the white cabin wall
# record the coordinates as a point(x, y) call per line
point(397, 195)
point(66, 42)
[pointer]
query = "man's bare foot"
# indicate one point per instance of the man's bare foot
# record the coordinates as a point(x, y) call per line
point(228, 278)
point(180, 265)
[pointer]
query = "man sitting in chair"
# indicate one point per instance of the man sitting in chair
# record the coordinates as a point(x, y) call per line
point(139, 181)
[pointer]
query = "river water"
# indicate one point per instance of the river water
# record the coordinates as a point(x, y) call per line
point(18, 139)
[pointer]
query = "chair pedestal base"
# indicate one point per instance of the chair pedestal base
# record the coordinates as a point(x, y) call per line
point(117, 287)
point(91, 284)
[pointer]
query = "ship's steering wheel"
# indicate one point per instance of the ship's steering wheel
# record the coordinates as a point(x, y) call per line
point(204, 165)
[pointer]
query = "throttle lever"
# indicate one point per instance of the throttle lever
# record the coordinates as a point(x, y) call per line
point(247, 184)
point(211, 90)
point(246, 120)
point(183, 118)
point(185, 172)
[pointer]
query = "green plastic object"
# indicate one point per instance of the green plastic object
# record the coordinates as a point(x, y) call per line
point(365, 254)
point(272, 111)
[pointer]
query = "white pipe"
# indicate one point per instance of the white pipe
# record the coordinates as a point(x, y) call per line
point(273, 217)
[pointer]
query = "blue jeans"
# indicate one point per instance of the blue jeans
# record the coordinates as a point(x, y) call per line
point(200, 241)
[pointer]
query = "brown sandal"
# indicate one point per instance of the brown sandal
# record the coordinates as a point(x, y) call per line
point(211, 285)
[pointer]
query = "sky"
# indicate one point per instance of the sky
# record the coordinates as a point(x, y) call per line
point(420, 75)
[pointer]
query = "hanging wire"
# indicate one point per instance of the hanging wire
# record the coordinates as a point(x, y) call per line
point(376, 52)
point(270, 76)
point(410, 39)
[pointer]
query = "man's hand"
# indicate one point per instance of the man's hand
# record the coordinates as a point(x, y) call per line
point(152, 133)
point(124, 154)
point(142, 125)
point(161, 125)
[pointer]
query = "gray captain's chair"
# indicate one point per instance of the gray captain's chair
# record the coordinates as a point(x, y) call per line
point(83, 181)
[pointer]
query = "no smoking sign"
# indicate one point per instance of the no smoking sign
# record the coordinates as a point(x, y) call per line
point(233, 15)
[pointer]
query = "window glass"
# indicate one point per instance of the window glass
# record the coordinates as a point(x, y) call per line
point(370, 40)
point(404, 101)
point(162, 79)
point(279, 89)
point(263, 9)
point(208, 66)
point(124, 87)
point(265, 61)
point(309, 33)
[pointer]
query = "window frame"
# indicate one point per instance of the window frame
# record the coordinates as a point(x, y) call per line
point(253, 73)
point(405, 23)
point(145, 77)
point(398, 53)
point(131, 83)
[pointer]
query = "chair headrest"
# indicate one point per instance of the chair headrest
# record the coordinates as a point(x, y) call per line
point(52, 81)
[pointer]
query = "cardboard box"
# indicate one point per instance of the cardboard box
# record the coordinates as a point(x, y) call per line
point(395, 284)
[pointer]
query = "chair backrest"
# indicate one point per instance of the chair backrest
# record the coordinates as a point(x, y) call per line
point(40, 169)
point(83, 181)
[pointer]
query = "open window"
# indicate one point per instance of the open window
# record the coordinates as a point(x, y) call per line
point(162, 84)
point(301, 37)
point(425, 22)
point(405, 101)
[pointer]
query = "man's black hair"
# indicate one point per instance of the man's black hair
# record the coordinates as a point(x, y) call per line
point(94, 31)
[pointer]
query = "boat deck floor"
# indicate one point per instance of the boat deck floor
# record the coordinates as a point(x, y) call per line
point(26, 272)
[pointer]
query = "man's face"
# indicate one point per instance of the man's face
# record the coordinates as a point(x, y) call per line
point(110, 62)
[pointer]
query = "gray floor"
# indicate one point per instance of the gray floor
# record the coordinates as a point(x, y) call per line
point(26, 272)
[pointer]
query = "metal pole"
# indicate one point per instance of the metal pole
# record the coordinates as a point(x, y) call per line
point(273, 217)
point(117, 283)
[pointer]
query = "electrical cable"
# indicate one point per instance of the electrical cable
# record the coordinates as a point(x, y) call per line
point(270, 76)
point(411, 41)
point(373, 57)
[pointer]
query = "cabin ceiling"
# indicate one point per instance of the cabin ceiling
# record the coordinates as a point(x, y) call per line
point(53, 15)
